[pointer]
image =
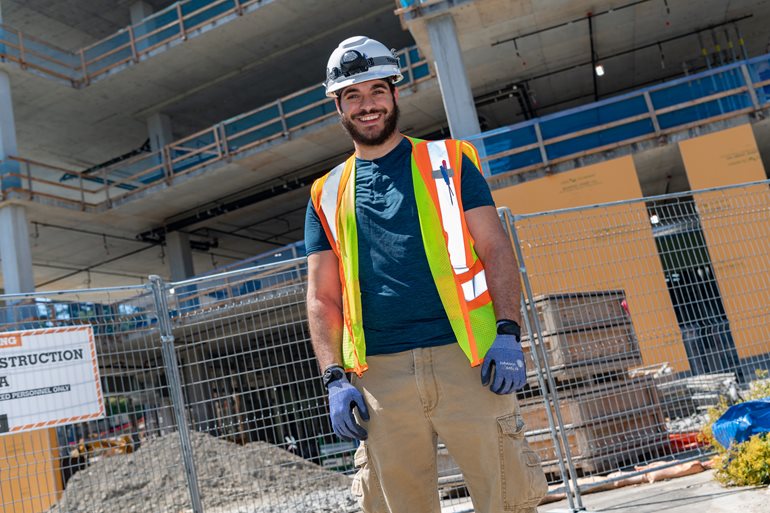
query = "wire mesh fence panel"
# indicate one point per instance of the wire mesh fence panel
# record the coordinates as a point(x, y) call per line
point(640, 316)
point(649, 313)
point(87, 419)
point(261, 435)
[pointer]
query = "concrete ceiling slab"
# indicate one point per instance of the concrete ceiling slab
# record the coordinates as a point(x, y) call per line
point(253, 60)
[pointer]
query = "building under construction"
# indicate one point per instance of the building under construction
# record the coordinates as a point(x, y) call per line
point(180, 139)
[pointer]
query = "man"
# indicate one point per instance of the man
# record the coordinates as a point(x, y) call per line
point(412, 286)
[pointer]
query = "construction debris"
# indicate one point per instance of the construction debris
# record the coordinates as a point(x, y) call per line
point(253, 478)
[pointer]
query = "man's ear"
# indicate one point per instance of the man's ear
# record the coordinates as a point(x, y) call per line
point(395, 94)
point(337, 104)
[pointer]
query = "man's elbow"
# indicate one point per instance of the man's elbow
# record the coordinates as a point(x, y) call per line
point(322, 305)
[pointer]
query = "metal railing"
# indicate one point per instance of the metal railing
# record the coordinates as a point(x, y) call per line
point(634, 326)
point(222, 142)
point(711, 96)
point(175, 23)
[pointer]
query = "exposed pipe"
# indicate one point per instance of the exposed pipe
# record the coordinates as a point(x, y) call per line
point(626, 52)
point(741, 43)
point(733, 54)
point(594, 72)
point(98, 264)
point(703, 50)
point(717, 47)
point(576, 20)
point(95, 271)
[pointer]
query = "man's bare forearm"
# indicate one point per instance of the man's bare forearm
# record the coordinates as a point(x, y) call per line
point(501, 269)
point(503, 280)
point(324, 307)
point(325, 320)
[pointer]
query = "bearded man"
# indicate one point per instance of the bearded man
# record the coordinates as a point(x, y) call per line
point(412, 286)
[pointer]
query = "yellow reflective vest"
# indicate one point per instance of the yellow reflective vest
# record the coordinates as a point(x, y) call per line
point(456, 269)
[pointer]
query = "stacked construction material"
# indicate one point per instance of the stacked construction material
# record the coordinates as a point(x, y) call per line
point(611, 419)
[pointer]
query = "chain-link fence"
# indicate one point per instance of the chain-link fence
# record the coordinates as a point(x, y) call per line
point(648, 313)
point(640, 315)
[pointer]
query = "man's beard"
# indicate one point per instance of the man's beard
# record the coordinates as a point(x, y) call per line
point(391, 123)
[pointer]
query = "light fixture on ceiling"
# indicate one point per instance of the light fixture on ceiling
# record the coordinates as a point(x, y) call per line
point(599, 70)
point(654, 219)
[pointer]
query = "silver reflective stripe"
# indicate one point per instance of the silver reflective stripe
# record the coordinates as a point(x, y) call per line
point(475, 287)
point(329, 198)
point(450, 208)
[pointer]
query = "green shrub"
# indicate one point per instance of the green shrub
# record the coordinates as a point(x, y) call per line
point(747, 463)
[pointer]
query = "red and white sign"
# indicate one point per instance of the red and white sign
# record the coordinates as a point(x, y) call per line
point(48, 377)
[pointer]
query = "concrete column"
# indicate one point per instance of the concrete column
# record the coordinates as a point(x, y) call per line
point(455, 88)
point(453, 81)
point(159, 129)
point(139, 11)
point(15, 251)
point(7, 126)
point(179, 256)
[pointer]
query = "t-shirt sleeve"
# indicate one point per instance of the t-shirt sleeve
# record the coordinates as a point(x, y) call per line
point(315, 235)
point(474, 187)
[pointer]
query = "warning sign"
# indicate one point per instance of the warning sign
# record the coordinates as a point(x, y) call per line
point(48, 377)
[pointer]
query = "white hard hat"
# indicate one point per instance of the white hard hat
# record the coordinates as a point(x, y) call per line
point(358, 59)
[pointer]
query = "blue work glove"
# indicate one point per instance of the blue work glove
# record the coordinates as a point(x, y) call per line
point(343, 397)
point(506, 358)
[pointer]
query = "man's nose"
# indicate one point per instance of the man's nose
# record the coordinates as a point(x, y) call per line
point(367, 102)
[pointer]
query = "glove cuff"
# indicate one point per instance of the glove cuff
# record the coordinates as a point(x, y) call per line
point(509, 327)
point(331, 374)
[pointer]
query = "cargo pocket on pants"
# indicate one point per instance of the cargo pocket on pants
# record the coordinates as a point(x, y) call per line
point(523, 481)
point(366, 486)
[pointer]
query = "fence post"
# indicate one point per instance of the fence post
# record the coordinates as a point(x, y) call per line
point(541, 144)
point(282, 114)
point(180, 15)
point(550, 393)
point(651, 111)
point(504, 213)
point(132, 41)
point(750, 86)
point(29, 180)
point(175, 388)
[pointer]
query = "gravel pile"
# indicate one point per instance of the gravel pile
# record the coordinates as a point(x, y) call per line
point(254, 478)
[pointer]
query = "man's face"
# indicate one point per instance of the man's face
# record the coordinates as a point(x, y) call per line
point(369, 112)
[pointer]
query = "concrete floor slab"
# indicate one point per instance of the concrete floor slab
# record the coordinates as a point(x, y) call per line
point(698, 493)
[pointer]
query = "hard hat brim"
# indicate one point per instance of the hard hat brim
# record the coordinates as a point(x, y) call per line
point(331, 90)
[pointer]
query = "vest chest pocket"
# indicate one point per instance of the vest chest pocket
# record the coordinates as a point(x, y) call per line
point(521, 474)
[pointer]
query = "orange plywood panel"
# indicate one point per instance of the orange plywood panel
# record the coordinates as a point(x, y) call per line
point(30, 481)
point(607, 248)
point(736, 226)
point(722, 158)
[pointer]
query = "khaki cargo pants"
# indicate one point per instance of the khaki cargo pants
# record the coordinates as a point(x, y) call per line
point(416, 396)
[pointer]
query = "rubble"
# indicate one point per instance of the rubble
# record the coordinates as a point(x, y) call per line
point(253, 478)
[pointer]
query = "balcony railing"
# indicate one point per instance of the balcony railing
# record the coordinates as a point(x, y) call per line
point(718, 94)
point(706, 97)
point(175, 23)
point(223, 141)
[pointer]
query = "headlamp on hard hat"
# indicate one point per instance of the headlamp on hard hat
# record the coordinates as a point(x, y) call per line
point(358, 59)
point(354, 62)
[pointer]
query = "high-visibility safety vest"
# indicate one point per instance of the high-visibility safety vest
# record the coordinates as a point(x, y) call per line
point(456, 269)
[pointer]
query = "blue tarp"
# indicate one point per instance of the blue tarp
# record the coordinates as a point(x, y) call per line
point(742, 421)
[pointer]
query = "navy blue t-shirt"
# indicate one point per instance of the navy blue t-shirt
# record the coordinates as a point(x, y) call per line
point(401, 306)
